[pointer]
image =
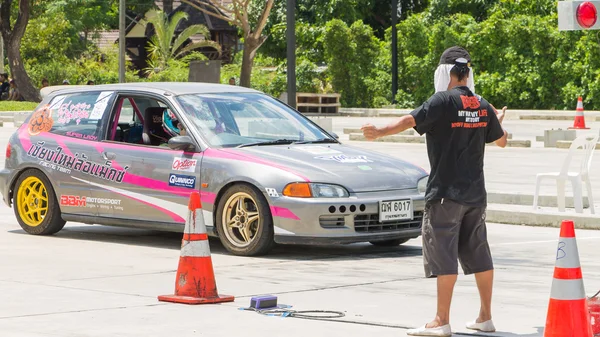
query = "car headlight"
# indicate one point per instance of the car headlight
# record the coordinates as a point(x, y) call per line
point(314, 190)
point(422, 185)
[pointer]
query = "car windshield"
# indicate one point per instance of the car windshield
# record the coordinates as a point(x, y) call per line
point(248, 119)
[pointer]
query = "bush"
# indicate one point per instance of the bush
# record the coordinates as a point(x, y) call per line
point(351, 53)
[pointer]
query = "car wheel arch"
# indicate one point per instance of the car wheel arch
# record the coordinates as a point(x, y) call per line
point(224, 189)
point(19, 172)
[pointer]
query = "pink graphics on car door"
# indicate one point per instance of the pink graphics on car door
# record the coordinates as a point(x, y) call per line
point(159, 179)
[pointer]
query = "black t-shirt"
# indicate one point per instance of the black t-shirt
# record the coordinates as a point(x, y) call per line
point(458, 124)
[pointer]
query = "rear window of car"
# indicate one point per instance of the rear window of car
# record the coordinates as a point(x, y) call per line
point(79, 115)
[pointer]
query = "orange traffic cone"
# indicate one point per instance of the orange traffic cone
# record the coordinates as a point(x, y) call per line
point(579, 122)
point(195, 280)
point(568, 313)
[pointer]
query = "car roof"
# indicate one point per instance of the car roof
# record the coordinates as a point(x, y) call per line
point(173, 88)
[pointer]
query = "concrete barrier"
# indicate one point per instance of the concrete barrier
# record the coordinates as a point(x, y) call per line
point(390, 139)
point(514, 143)
point(552, 136)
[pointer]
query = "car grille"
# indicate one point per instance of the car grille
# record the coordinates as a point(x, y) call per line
point(369, 223)
point(332, 221)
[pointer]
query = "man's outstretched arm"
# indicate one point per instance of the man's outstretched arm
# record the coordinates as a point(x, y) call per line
point(372, 132)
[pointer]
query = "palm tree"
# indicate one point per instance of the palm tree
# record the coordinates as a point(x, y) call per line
point(163, 49)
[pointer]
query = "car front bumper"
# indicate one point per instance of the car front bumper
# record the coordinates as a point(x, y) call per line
point(343, 220)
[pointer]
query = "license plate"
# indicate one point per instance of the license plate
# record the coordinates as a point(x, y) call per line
point(395, 210)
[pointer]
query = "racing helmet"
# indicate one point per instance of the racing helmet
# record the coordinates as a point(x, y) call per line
point(170, 122)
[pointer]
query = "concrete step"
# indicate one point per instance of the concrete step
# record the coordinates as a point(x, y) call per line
point(565, 144)
point(547, 217)
point(348, 131)
point(527, 200)
point(549, 117)
point(390, 139)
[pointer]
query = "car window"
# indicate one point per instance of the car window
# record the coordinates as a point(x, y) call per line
point(233, 119)
point(130, 128)
point(79, 115)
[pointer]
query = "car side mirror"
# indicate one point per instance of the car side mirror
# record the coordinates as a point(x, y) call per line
point(181, 143)
point(335, 135)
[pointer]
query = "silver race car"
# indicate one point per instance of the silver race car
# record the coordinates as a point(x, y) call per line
point(130, 154)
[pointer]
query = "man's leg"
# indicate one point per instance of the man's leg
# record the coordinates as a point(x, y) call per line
point(441, 227)
point(445, 288)
point(475, 257)
point(485, 281)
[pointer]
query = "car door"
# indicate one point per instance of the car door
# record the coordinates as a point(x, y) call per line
point(158, 181)
point(66, 151)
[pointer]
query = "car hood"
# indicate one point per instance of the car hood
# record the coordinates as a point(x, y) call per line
point(356, 169)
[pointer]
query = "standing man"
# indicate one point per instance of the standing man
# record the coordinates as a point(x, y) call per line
point(458, 124)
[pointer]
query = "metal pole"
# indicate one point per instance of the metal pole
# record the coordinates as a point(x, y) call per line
point(122, 41)
point(1, 55)
point(394, 50)
point(291, 52)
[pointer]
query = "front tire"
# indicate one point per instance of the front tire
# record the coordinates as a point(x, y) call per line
point(35, 204)
point(389, 243)
point(244, 221)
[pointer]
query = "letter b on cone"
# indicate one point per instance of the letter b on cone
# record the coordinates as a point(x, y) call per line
point(568, 314)
point(195, 281)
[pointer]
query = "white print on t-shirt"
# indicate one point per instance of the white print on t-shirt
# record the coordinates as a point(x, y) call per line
point(471, 119)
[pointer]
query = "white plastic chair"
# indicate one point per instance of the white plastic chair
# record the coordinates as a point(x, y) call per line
point(587, 143)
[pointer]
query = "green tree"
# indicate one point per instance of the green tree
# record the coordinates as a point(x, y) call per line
point(165, 46)
point(238, 14)
point(350, 53)
point(12, 27)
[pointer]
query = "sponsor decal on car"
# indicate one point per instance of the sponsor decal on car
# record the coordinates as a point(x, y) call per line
point(82, 201)
point(342, 158)
point(182, 181)
point(316, 150)
point(41, 121)
point(184, 164)
point(272, 192)
point(72, 200)
point(68, 112)
point(62, 162)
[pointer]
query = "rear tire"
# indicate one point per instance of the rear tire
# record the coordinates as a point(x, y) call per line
point(35, 204)
point(235, 225)
point(389, 243)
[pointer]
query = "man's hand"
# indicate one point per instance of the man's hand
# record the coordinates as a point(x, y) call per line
point(371, 132)
point(500, 115)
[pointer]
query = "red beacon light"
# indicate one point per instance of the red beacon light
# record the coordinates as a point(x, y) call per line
point(587, 14)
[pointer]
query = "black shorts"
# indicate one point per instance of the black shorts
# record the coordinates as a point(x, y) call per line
point(453, 231)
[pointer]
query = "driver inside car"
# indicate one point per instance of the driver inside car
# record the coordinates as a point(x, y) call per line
point(172, 126)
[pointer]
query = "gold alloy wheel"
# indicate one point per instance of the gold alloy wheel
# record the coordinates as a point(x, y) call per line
point(241, 219)
point(32, 201)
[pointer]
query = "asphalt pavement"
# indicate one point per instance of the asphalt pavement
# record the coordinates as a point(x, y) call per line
point(92, 281)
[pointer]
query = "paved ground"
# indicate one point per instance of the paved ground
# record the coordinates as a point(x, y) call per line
point(103, 281)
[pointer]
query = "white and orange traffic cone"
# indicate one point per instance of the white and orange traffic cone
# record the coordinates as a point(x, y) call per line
point(568, 313)
point(195, 281)
point(579, 122)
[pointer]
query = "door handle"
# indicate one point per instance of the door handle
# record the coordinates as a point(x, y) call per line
point(108, 155)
